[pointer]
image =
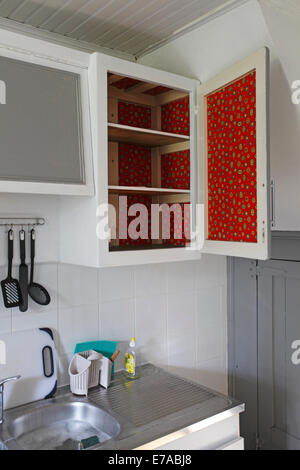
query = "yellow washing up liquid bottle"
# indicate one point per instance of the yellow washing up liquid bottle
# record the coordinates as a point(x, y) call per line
point(130, 359)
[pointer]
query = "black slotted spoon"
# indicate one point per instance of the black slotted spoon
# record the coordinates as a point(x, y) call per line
point(38, 293)
point(10, 287)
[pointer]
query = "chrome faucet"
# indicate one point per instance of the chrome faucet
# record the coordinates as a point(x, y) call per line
point(2, 382)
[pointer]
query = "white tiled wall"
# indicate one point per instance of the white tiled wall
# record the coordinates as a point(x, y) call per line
point(177, 312)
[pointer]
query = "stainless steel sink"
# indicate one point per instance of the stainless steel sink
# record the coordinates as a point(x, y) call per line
point(128, 415)
point(66, 424)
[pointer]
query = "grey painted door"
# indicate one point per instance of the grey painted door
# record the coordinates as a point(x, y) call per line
point(264, 350)
point(242, 323)
point(278, 368)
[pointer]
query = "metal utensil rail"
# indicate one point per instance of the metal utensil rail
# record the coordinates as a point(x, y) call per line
point(22, 221)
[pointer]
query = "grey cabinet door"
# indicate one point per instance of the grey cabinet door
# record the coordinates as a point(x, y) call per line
point(242, 339)
point(40, 124)
point(278, 376)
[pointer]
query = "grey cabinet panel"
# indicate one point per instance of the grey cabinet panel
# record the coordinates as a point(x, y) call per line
point(242, 324)
point(264, 323)
point(279, 378)
point(40, 124)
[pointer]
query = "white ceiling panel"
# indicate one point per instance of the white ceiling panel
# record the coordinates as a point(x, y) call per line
point(128, 26)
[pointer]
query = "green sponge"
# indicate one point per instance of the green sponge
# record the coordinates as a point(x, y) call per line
point(89, 442)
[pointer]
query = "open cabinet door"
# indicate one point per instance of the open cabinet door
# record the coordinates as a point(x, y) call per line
point(234, 161)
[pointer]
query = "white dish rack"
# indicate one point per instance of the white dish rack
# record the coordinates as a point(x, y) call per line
point(88, 369)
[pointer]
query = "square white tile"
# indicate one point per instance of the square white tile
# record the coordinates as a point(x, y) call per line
point(77, 325)
point(5, 321)
point(211, 271)
point(77, 286)
point(182, 349)
point(181, 276)
point(152, 347)
point(116, 283)
point(62, 369)
point(117, 320)
point(181, 311)
point(151, 314)
point(30, 320)
point(208, 307)
point(150, 279)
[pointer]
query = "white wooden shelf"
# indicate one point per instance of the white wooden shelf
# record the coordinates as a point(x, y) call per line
point(147, 137)
point(145, 190)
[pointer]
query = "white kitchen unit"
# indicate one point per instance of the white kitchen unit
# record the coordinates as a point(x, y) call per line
point(161, 128)
point(219, 432)
point(45, 119)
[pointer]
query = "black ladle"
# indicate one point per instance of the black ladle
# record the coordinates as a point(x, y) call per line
point(37, 292)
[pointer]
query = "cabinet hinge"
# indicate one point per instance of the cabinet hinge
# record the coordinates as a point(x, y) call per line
point(196, 110)
point(256, 271)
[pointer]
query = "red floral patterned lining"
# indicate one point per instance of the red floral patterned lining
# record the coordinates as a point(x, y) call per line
point(158, 90)
point(178, 231)
point(175, 170)
point(180, 240)
point(134, 165)
point(138, 199)
point(175, 117)
point(126, 83)
point(136, 115)
point(232, 183)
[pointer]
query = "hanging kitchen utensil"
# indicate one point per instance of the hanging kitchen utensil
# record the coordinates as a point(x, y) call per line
point(10, 287)
point(37, 292)
point(23, 273)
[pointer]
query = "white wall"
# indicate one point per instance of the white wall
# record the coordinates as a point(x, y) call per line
point(283, 25)
point(214, 46)
point(25, 205)
point(176, 311)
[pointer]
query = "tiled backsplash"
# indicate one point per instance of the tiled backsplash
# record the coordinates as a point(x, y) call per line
point(176, 311)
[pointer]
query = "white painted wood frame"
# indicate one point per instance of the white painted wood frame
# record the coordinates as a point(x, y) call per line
point(100, 66)
point(259, 61)
point(59, 58)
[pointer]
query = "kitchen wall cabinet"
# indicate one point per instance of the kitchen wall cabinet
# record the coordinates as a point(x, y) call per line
point(162, 138)
point(153, 137)
point(45, 125)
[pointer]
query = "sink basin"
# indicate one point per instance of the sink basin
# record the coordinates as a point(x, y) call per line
point(72, 425)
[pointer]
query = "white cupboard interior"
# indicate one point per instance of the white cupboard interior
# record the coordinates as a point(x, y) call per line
point(148, 152)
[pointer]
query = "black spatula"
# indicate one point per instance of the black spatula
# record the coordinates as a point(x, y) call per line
point(23, 273)
point(10, 287)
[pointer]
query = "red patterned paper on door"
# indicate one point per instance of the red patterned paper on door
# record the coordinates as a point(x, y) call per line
point(231, 164)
